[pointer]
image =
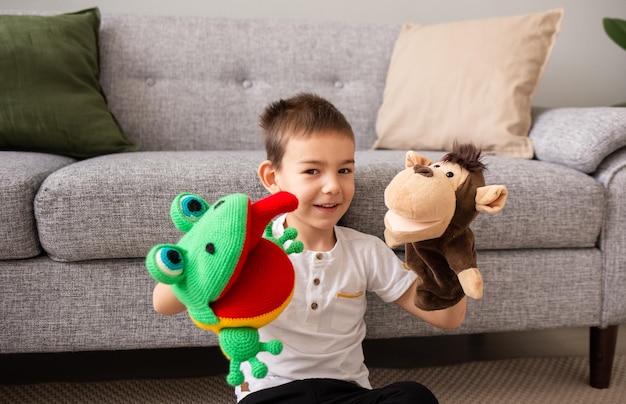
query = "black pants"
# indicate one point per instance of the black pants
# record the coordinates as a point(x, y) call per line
point(330, 391)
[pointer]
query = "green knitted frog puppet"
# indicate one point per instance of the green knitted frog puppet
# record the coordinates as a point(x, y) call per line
point(230, 272)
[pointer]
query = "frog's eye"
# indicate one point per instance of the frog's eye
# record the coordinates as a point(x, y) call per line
point(166, 263)
point(186, 210)
point(192, 207)
point(169, 261)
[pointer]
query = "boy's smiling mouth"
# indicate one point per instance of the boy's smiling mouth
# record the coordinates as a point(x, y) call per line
point(327, 206)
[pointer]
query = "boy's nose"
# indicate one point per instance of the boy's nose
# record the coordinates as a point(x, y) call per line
point(331, 186)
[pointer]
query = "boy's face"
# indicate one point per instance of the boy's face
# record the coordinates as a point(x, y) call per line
point(319, 171)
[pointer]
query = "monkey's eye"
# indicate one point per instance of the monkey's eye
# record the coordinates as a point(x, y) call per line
point(449, 174)
point(436, 166)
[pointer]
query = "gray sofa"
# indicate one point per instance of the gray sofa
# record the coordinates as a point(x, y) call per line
point(74, 234)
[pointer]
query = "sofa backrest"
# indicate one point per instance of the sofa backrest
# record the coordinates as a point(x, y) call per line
point(193, 83)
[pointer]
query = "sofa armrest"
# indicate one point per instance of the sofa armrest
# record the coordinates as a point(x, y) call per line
point(579, 138)
point(612, 174)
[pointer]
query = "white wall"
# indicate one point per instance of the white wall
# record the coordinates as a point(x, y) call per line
point(586, 68)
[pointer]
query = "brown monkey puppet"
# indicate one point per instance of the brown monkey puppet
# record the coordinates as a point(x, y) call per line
point(431, 206)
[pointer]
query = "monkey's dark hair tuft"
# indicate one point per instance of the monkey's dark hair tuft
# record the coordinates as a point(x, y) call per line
point(467, 155)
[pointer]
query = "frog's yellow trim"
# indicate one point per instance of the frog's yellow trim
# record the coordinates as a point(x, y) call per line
point(253, 322)
point(350, 295)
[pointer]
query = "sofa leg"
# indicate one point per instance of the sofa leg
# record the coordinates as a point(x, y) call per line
point(602, 342)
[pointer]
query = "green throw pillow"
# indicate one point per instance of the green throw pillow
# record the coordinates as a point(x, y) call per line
point(51, 100)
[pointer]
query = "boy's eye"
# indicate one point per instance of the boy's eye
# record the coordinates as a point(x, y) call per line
point(312, 171)
point(345, 171)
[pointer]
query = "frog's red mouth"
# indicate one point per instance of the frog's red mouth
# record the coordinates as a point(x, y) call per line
point(260, 213)
point(265, 283)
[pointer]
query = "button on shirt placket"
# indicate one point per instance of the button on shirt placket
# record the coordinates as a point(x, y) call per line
point(315, 294)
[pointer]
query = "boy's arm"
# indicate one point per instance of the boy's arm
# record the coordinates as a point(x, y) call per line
point(165, 301)
point(452, 317)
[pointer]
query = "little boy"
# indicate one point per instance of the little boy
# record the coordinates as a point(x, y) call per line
point(310, 153)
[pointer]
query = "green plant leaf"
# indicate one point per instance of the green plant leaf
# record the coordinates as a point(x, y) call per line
point(616, 30)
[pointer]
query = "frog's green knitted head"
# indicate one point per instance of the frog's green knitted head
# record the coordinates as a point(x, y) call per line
point(207, 260)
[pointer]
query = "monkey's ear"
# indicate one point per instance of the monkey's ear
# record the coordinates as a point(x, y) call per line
point(491, 198)
point(413, 159)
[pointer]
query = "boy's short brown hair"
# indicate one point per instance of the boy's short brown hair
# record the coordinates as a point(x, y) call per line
point(303, 115)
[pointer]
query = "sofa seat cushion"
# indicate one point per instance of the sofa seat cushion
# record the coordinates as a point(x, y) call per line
point(22, 174)
point(524, 290)
point(88, 306)
point(119, 204)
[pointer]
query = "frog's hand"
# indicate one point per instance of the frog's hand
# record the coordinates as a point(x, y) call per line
point(296, 246)
point(289, 235)
point(166, 263)
point(235, 375)
point(274, 347)
point(258, 368)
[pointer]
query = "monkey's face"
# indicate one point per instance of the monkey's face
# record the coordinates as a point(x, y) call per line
point(421, 200)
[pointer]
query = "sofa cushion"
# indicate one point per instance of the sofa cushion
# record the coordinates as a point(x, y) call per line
point(106, 304)
point(119, 204)
point(98, 305)
point(22, 174)
point(50, 97)
point(466, 81)
point(524, 290)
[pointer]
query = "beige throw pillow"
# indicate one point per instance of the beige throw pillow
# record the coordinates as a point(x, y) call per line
point(466, 81)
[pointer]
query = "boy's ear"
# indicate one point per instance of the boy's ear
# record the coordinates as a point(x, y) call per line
point(267, 174)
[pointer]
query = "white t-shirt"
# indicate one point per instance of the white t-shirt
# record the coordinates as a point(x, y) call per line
point(322, 327)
